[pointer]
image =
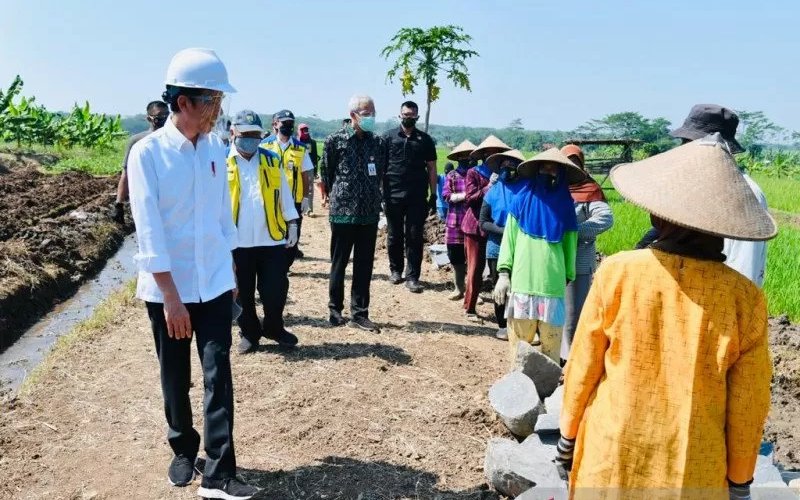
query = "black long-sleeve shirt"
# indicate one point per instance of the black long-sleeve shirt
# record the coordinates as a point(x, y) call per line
point(485, 219)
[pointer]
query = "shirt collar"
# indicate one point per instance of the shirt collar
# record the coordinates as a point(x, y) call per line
point(176, 138)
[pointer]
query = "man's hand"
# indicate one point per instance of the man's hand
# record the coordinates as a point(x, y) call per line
point(432, 203)
point(179, 326)
point(305, 205)
point(291, 234)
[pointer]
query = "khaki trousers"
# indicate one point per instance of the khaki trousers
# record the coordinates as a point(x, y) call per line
point(525, 330)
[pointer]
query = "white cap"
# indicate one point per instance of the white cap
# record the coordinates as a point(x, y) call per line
point(199, 69)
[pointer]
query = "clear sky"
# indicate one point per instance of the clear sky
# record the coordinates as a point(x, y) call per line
point(554, 64)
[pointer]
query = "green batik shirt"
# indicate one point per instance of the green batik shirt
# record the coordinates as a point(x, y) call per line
point(351, 171)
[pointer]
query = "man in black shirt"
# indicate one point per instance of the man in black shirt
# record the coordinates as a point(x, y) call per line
point(409, 191)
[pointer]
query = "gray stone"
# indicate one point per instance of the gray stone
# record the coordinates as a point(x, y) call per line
point(544, 372)
point(547, 424)
point(516, 402)
point(542, 493)
point(766, 472)
point(554, 402)
point(772, 491)
point(439, 255)
point(511, 471)
point(533, 445)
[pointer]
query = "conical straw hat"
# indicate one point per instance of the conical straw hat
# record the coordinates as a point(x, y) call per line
point(488, 147)
point(494, 161)
point(461, 151)
point(574, 173)
point(697, 186)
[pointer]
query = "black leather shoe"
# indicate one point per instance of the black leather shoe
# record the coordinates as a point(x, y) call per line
point(336, 318)
point(396, 278)
point(284, 338)
point(414, 286)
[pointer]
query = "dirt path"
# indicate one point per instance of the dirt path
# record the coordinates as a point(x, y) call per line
point(402, 414)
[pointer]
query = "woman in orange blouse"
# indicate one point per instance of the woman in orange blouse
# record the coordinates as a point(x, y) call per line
point(668, 383)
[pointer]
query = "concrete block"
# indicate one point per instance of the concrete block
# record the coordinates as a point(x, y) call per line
point(544, 372)
point(516, 402)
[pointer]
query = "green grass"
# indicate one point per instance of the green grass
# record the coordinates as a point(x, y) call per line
point(105, 161)
point(782, 194)
point(782, 285)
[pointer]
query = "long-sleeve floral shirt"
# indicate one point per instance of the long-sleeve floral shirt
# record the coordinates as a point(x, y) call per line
point(351, 171)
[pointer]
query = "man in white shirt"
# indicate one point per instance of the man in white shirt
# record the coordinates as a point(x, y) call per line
point(182, 210)
point(266, 222)
point(297, 165)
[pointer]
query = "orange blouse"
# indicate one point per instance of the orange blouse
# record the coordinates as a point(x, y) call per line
point(668, 381)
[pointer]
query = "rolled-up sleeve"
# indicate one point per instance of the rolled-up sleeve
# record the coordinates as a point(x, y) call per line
point(153, 256)
point(287, 201)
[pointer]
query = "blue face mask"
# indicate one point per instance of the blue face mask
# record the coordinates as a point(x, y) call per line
point(367, 123)
point(247, 145)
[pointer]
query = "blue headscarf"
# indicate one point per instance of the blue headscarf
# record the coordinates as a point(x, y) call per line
point(500, 196)
point(544, 208)
point(484, 170)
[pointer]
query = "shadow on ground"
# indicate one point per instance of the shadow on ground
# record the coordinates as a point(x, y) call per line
point(444, 327)
point(338, 351)
point(348, 479)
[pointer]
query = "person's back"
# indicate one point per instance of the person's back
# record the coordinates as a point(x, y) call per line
point(682, 338)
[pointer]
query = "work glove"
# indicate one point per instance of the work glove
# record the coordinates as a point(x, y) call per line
point(494, 178)
point(502, 288)
point(565, 449)
point(458, 197)
point(432, 203)
point(119, 213)
point(739, 491)
point(305, 205)
point(291, 234)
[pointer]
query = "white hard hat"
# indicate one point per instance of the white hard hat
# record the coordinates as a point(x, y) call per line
point(198, 69)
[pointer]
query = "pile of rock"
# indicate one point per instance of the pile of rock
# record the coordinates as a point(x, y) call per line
point(528, 401)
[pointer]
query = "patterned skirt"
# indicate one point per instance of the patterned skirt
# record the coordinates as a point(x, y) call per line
point(548, 309)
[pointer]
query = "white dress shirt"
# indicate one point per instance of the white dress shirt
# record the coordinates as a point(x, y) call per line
point(749, 257)
point(307, 165)
point(252, 227)
point(182, 210)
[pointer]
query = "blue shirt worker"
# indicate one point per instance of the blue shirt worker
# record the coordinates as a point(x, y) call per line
point(266, 224)
point(181, 207)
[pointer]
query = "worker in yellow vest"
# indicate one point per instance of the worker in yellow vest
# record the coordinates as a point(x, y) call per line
point(266, 221)
point(296, 164)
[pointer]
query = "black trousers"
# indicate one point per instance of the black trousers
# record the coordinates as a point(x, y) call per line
point(360, 239)
point(456, 254)
point(499, 309)
point(405, 220)
point(292, 252)
point(211, 323)
point(262, 268)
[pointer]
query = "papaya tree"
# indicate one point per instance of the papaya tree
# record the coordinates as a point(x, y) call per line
point(424, 56)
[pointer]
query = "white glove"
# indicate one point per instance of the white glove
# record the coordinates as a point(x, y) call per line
point(502, 288)
point(458, 197)
point(305, 205)
point(291, 234)
point(493, 178)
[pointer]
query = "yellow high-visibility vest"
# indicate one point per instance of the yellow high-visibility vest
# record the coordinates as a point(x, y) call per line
point(269, 181)
point(291, 162)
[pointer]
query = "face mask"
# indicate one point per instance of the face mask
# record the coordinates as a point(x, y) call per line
point(305, 136)
point(408, 122)
point(247, 145)
point(158, 121)
point(367, 123)
point(463, 164)
point(286, 130)
point(507, 175)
